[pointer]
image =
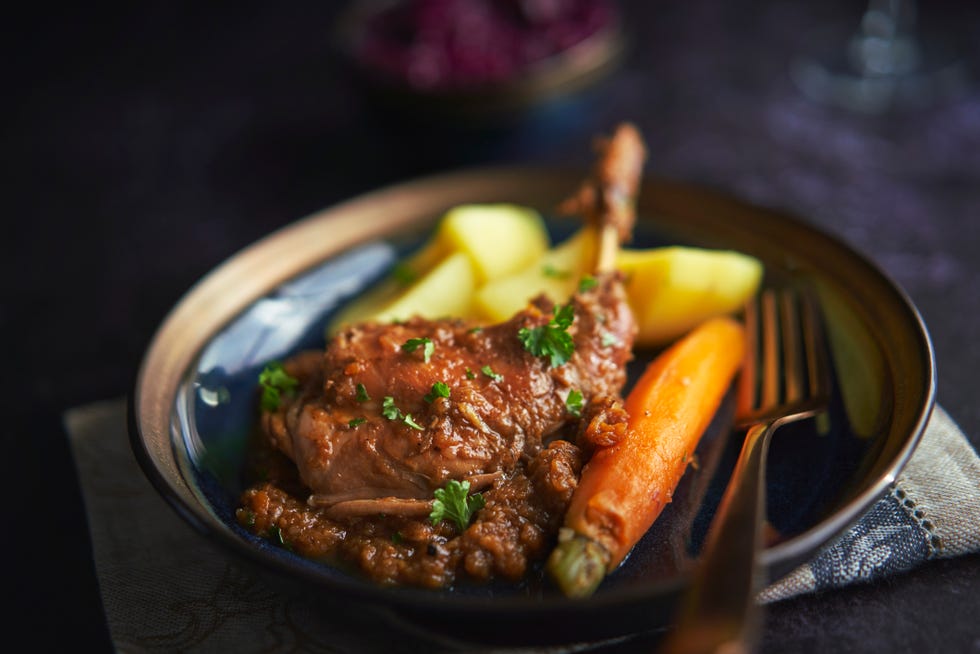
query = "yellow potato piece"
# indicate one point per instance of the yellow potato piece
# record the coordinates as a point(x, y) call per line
point(673, 289)
point(445, 291)
point(496, 238)
point(499, 238)
point(556, 273)
point(487, 261)
point(369, 304)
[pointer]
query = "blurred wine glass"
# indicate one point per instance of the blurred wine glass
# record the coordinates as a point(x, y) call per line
point(885, 63)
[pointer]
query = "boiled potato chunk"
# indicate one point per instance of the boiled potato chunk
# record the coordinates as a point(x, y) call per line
point(445, 291)
point(487, 261)
point(368, 305)
point(556, 273)
point(499, 238)
point(673, 289)
point(422, 261)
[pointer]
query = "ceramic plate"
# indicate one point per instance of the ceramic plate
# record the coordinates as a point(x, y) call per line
point(194, 402)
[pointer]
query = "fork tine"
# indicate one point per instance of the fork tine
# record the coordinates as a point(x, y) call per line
point(770, 350)
point(817, 357)
point(748, 379)
point(794, 363)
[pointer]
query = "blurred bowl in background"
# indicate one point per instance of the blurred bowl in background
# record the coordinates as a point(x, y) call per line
point(479, 58)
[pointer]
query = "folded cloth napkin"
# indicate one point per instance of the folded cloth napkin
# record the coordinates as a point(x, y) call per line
point(166, 589)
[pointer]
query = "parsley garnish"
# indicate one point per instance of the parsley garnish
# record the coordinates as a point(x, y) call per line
point(574, 403)
point(275, 382)
point(488, 371)
point(275, 534)
point(428, 347)
point(587, 283)
point(550, 271)
point(551, 340)
point(608, 338)
point(455, 503)
point(439, 389)
point(392, 412)
point(389, 410)
point(361, 394)
point(403, 274)
point(356, 421)
point(470, 374)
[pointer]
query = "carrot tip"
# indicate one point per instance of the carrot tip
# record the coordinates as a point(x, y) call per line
point(578, 565)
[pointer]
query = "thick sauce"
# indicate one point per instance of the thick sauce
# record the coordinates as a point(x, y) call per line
point(346, 478)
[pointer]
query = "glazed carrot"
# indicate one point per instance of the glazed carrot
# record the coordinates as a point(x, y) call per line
point(625, 486)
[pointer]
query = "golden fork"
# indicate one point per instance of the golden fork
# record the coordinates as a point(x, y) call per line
point(786, 378)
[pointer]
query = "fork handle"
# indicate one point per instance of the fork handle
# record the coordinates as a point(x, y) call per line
point(719, 613)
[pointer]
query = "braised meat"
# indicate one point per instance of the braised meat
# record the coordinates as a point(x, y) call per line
point(389, 413)
point(503, 402)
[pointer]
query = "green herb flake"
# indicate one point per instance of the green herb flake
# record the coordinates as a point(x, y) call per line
point(549, 270)
point(456, 504)
point(390, 411)
point(587, 283)
point(470, 374)
point(488, 371)
point(361, 394)
point(439, 389)
point(275, 535)
point(397, 538)
point(574, 403)
point(403, 274)
point(356, 422)
point(609, 339)
point(428, 347)
point(275, 383)
point(551, 340)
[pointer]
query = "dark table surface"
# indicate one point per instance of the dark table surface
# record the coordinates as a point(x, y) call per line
point(147, 143)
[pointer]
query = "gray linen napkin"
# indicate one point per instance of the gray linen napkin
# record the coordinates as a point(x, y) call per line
point(167, 589)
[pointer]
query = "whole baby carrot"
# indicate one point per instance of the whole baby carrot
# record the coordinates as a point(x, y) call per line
point(625, 486)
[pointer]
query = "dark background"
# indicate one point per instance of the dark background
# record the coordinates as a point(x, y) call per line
point(145, 144)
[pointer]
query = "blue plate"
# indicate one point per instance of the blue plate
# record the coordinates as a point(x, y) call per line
point(193, 406)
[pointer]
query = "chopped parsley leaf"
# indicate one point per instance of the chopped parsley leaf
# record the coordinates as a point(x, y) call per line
point(488, 371)
point(470, 374)
point(392, 412)
point(439, 389)
point(608, 339)
point(456, 504)
point(361, 394)
point(551, 340)
point(389, 410)
point(428, 347)
point(548, 270)
point(275, 382)
point(574, 403)
point(356, 421)
point(275, 534)
point(587, 283)
point(403, 274)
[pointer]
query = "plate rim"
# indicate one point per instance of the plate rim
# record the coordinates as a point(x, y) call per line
point(376, 213)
